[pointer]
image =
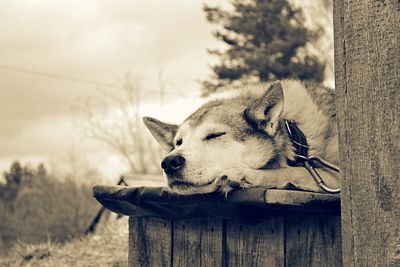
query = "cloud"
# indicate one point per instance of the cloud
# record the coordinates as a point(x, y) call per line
point(94, 40)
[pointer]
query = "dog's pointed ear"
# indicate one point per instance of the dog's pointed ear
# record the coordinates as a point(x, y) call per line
point(164, 133)
point(264, 113)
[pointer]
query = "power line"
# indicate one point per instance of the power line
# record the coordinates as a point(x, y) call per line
point(57, 76)
point(72, 79)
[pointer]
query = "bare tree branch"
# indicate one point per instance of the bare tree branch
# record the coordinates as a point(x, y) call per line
point(113, 118)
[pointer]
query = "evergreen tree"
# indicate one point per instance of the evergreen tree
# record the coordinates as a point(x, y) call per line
point(265, 41)
point(14, 176)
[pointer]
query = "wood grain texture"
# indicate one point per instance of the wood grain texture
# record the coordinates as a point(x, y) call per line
point(304, 201)
point(256, 245)
point(198, 242)
point(149, 242)
point(313, 240)
point(367, 70)
point(298, 198)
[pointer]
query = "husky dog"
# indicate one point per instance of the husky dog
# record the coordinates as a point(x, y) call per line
point(242, 141)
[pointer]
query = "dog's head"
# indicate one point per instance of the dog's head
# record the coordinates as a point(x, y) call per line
point(227, 133)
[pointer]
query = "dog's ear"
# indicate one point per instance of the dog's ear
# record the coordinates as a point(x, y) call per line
point(263, 114)
point(164, 133)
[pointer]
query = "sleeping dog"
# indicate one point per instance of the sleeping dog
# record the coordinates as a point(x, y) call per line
point(244, 140)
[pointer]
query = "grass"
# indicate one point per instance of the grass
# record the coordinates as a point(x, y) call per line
point(107, 247)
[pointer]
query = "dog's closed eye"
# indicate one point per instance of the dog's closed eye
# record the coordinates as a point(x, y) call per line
point(179, 142)
point(214, 136)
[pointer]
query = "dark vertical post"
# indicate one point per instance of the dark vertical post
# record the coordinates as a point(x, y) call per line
point(313, 240)
point(198, 242)
point(256, 245)
point(150, 242)
point(367, 69)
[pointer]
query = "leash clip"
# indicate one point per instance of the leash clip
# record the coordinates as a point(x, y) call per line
point(308, 165)
point(299, 141)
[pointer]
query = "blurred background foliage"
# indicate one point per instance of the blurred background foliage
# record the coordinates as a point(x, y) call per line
point(264, 40)
point(36, 206)
point(113, 119)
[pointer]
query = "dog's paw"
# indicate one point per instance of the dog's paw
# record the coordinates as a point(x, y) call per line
point(232, 179)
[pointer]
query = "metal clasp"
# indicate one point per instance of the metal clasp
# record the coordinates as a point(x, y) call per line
point(308, 165)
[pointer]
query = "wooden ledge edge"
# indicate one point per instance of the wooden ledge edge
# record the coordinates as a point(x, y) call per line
point(303, 200)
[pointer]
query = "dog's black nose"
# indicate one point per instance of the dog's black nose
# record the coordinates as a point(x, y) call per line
point(172, 163)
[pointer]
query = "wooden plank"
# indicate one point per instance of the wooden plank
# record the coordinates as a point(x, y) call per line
point(313, 240)
point(149, 242)
point(198, 242)
point(305, 201)
point(256, 245)
point(297, 198)
point(367, 70)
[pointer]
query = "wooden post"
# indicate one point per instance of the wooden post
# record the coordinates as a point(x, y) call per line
point(367, 69)
point(197, 242)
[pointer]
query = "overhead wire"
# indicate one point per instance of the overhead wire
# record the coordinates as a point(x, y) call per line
point(57, 76)
point(75, 79)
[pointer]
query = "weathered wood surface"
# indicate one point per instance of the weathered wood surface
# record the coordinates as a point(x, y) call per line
point(256, 245)
point(367, 69)
point(313, 241)
point(304, 201)
point(198, 242)
point(149, 242)
point(290, 240)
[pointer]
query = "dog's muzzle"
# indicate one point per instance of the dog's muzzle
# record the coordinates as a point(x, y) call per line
point(173, 164)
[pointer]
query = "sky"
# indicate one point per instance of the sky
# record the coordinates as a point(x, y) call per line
point(53, 53)
point(98, 41)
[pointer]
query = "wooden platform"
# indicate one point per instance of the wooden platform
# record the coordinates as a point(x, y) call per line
point(290, 240)
point(255, 227)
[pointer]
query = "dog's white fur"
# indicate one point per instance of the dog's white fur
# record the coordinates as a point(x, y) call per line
point(237, 157)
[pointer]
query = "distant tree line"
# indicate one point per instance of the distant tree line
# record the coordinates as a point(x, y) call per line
point(36, 206)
